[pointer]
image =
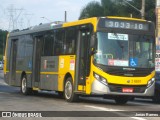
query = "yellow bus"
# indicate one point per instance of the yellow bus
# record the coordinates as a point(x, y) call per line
point(104, 56)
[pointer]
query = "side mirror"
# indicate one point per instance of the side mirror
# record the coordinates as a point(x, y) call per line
point(93, 44)
point(93, 41)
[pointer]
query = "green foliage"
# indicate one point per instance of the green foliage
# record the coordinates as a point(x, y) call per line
point(150, 10)
point(113, 8)
point(3, 35)
point(92, 9)
point(1, 57)
point(119, 8)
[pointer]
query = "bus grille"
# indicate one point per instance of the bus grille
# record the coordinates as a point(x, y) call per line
point(118, 88)
point(137, 73)
point(125, 71)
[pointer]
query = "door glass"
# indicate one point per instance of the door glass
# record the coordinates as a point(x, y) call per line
point(13, 59)
point(84, 56)
point(37, 60)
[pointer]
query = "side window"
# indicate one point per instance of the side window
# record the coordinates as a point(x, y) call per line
point(21, 48)
point(71, 38)
point(28, 46)
point(47, 44)
point(20, 53)
point(59, 42)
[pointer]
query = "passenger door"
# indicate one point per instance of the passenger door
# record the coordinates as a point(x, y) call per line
point(83, 56)
point(14, 44)
point(36, 61)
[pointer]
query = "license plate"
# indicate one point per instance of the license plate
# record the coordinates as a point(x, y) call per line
point(127, 90)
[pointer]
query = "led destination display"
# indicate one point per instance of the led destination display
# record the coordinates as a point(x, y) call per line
point(124, 24)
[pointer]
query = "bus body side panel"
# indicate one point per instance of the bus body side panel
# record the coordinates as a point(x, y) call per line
point(49, 73)
point(24, 59)
point(6, 60)
point(66, 65)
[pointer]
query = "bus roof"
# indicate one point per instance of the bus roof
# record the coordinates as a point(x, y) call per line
point(52, 25)
point(35, 29)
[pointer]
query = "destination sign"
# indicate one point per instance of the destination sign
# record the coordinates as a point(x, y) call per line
point(126, 25)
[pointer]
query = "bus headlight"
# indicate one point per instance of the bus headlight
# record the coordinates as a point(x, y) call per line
point(100, 78)
point(150, 82)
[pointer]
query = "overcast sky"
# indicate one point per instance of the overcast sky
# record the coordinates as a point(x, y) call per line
point(32, 11)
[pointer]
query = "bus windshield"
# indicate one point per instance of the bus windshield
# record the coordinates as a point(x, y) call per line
point(127, 50)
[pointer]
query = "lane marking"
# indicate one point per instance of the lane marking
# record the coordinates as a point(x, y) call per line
point(103, 108)
point(109, 109)
point(138, 118)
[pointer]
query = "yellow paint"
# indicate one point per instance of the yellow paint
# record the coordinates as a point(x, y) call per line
point(34, 88)
point(88, 86)
point(93, 21)
point(28, 72)
point(89, 79)
point(81, 88)
point(123, 79)
point(126, 18)
point(5, 56)
point(49, 73)
point(65, 66)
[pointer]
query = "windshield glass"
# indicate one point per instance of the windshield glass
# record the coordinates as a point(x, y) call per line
point(116, 49)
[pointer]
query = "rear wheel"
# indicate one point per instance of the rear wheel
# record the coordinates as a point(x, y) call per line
point(121, 100)
point(69, 94)
point(24, 89)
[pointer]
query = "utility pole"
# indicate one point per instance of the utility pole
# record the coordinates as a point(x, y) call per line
point(65, 16)
point(14, 15)
point(143, 10)
point(28, 18)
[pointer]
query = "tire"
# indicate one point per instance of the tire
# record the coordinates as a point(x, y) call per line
point(156, 97)
point(24, 89)
point(120, 100)
point(69, 94)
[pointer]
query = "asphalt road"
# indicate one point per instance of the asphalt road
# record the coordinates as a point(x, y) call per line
point(12, 100)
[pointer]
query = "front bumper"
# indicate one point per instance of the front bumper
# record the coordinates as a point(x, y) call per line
point(101, 89)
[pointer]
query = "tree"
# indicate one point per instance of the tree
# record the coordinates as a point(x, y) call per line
point(113, 8)
point(3, 35)
point(118, 8)
point(92, 9)
point(150, 10)
point(105, 8)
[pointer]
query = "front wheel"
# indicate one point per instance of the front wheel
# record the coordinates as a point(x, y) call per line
point(69, 94)
point(121, 100)
point(24, 89)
